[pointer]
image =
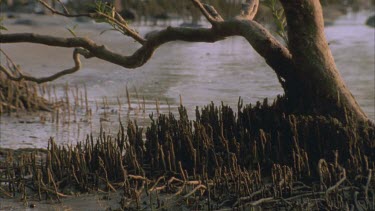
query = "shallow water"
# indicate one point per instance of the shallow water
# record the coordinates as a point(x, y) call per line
point(199, 72)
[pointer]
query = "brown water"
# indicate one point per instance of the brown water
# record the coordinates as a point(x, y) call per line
point(199, 72)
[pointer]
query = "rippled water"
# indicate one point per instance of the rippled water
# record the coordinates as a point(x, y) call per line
point(199, 72)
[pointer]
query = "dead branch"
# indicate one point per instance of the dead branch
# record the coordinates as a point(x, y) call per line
point(334, 187)
point(261, 201)
point(195, 190)
point(367, 186)
point(156, 183)
point(137, 177)
point(246, 198)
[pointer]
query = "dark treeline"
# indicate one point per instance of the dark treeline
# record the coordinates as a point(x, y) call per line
point(161, 9)
point(166, 9)
point(141, 7)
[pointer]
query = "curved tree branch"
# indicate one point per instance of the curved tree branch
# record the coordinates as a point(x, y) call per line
point(275, 54)
point(22, 76)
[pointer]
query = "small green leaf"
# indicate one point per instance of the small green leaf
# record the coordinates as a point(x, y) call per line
point(3, 28)
point(71, 30)
point(278, 15)
point(104, 31)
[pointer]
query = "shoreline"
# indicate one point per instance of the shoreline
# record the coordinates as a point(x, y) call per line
point(170, 73)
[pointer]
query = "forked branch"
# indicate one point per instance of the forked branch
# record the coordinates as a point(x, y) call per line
point(275, 54)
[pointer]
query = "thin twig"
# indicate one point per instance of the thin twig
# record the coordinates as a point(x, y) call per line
point(246, 198)
point(206, 13)
point(332, 188)
point(194, 190)
point(63, 6)
point(367, 186)
point(261, 201)
point(156, 183)
point(129, 32)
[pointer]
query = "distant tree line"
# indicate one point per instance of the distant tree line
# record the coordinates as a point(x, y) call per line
point(165, 9)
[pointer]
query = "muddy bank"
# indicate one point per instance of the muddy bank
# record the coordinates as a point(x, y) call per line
point(94, 202)
point(259, 156)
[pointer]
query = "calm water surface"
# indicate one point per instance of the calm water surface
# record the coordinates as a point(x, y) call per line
point(199, 72)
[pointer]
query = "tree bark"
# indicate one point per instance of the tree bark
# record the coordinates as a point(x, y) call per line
point(317, 86)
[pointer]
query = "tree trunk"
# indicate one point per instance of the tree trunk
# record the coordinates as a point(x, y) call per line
point(305, 68)
point(316, 85)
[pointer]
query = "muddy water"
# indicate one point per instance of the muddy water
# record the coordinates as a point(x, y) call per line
point(199, 72)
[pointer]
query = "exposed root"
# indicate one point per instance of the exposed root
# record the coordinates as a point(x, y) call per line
point(258, 157)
